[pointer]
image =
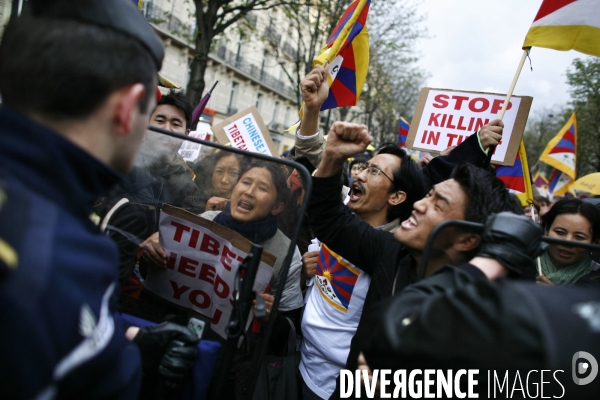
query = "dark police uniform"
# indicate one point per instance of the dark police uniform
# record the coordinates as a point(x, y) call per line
point(59, 336)
point(58, 329)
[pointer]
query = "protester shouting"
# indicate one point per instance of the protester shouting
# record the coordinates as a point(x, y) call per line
point(471, 194)
point(382, 195)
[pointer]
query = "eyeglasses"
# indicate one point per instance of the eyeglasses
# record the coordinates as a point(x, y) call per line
point(373, 171)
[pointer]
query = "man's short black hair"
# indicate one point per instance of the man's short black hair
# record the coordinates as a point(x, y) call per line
point(408, 178)
point(486, 194)
point(64, 69)
point(180, 101)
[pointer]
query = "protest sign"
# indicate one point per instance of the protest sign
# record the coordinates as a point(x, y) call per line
point(202, 261)
point(246, 131)
point(190, 151)
point(445, 118)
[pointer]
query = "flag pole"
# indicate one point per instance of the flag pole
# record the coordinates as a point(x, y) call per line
point(514, 82)
point(492, 149)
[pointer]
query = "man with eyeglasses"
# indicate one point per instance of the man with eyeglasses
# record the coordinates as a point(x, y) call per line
point(382, 195)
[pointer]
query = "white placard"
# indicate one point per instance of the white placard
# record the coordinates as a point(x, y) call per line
point(200, 271)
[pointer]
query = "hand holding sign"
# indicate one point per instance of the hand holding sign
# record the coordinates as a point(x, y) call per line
point(491, 134)
point(153, 251)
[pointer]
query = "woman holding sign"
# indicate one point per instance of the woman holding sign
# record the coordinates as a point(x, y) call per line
point(576, 220)
point(257, 200)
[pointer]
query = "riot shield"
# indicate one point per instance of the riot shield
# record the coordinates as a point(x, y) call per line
point(187, 220)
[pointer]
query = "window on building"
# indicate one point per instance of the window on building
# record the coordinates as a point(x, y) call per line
point(233, 98)
point(259, 101)
point(286, 117)
point(276, 112)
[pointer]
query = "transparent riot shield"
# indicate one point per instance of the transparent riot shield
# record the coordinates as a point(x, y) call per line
point(187, 220)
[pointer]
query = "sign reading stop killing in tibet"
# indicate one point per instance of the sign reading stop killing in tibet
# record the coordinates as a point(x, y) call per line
point(202, 261)
point(445, 118)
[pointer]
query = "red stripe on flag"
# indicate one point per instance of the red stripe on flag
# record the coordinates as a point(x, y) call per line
point(550, 6)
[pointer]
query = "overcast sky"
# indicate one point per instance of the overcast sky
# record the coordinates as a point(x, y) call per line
point(476, 45)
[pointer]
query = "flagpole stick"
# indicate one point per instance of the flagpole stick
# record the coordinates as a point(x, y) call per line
point(492, 149)
point(513, 84)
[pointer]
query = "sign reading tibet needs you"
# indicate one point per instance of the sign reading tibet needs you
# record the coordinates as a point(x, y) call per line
point(246, 131)
point(202, 261)
point(445, 118)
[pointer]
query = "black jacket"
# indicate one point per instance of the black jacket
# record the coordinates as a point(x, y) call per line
point(457, 318)
point(56, 299)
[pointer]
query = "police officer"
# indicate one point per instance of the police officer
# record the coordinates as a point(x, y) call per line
point(78, 82)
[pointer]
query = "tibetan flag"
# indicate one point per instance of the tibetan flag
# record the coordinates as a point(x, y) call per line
point(336, 278)
point(566, 25)
point(512, 176)
point(347, 52)
point(539, 180)
point(517, 177)
point(403, 128)
point(559, 183)
point(561, 151)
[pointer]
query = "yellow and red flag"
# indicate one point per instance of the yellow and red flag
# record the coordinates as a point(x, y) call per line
point(561, 151)
point(566, 25)
point(347, 52)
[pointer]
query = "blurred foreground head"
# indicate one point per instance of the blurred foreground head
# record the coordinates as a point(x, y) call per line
point(64, 62)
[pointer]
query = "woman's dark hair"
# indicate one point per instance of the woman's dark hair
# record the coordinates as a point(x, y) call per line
point(204, 168)
point(408, 178)
point(279, 177)
point(574, 206)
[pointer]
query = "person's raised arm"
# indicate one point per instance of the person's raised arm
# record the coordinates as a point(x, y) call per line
point(309, 139)
point(345, 140)
point(315, 89)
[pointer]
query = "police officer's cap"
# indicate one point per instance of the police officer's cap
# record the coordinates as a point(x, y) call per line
point(118, 15)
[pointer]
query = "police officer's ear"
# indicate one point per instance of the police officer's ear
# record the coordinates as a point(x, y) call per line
point(396, 198)
point(466, 242)
point(125, 103)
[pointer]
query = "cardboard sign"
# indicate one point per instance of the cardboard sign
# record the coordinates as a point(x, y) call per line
point(190, 151)
point(246, 131)
point(445, 118)
point(203, 258)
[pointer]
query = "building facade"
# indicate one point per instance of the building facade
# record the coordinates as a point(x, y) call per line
point(247, 71)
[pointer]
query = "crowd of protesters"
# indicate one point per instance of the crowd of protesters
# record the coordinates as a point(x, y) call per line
point(82, 181)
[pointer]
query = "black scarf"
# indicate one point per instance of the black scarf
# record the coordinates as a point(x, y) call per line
point(254, 231)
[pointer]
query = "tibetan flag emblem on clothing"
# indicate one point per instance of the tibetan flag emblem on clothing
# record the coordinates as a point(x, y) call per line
point(335, 278)
point(559, 183)
point(403, 128)
point(561, 151)
point(512, 176)
point(347, 52)
point(566, 25)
